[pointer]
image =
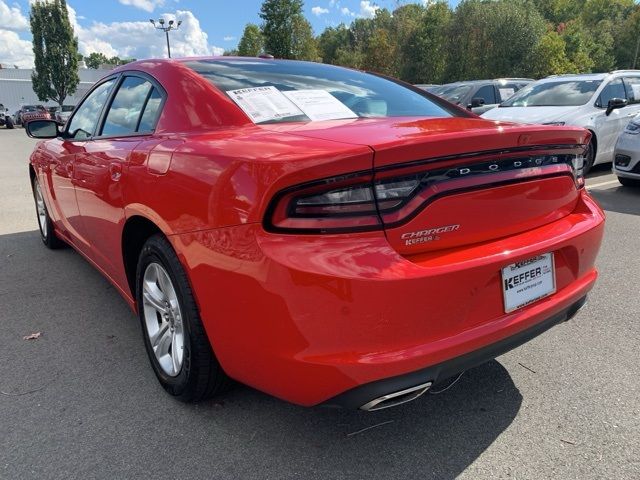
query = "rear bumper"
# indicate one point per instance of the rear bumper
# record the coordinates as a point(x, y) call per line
point(307, 318)
point(364, 394)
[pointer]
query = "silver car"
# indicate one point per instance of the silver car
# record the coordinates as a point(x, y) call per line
point(626, 157)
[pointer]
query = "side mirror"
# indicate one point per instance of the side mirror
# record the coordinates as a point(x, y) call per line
point(42, 129)
point(615, 103)
point(476, 102)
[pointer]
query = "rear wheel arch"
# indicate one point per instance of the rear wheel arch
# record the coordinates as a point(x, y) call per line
point(137, 230)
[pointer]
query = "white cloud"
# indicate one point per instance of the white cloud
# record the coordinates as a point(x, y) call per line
point(317, 11)
point(367, 10)
point(146, 5)
point(123, 39)
point(141, 40)
point(345, 11)
point(14, 50)
point(229, 38)
point(11, 18)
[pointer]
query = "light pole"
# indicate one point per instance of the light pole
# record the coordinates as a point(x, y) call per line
point(171, 26)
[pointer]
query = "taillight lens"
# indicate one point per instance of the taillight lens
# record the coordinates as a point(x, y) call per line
point(360, 202)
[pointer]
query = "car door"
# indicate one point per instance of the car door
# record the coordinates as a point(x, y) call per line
point(632, 86)
point(608, 127)
point(101, 170)
point(488, 94)
point(61, 156)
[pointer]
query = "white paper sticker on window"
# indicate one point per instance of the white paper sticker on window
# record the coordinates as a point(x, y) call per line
point(636, 91)
point(319, 104)
point(506, 93)
point(262, 104)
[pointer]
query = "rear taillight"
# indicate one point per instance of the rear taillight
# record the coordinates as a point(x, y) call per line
point(362, 202)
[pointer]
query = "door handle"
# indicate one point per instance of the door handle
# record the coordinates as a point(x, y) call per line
point(115, 170)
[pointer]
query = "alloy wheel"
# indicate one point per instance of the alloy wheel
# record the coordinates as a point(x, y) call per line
point(163, 319)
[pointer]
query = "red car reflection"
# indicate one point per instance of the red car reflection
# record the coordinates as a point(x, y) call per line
point(322, 234)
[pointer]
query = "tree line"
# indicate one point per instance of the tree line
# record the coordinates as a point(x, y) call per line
point(434, 43)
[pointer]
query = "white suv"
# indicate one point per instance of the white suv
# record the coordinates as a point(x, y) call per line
point(601, 102)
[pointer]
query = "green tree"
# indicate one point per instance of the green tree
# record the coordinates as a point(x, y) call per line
point(94, 60)
point(279, 17)
point(424, 52)
point(549, 56)
point(627, 42)
point(55, 48)
point(303, 44)
point(331, 40)
point(493, 38)
point(251, 44)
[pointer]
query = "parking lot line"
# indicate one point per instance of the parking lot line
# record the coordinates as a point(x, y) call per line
point(602, 184)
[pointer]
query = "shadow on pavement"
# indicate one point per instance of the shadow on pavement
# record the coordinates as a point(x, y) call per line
point(618, 199)
point(99, 412)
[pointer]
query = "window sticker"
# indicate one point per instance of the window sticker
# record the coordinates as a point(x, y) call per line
point(506, 92)
point(263, 104)
point(319, 104)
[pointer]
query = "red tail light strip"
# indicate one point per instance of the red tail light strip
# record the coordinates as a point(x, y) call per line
point(362, 201)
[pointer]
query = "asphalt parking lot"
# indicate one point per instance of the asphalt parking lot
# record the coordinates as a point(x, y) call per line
point(82, 401)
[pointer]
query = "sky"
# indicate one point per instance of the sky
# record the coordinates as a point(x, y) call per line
point(122, 28)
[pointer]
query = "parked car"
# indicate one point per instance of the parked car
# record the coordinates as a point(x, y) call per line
point(428, 87)
point(6, 119)
point(63, 113)
point(603, 103)
point(480, 96)
point(626, 156)
point(322, 234)
point(27, 113)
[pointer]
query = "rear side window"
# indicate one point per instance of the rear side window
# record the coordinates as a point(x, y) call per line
point(615, 89)
point(85, 120)
point(127, 106)
point(633, 89)
point(150, 113)
point(487, 93)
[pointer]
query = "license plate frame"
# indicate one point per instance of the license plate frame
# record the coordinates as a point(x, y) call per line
point(528, 281)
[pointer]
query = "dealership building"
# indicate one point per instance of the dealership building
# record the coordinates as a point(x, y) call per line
point(16, 88)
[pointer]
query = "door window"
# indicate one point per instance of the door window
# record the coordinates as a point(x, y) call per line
point(126, 108)
point(487, 93)
point(615, 89)
point(633, 89)
point(85, 120)
point(150, 114)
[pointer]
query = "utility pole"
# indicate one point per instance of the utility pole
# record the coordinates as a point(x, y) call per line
point(170, 26)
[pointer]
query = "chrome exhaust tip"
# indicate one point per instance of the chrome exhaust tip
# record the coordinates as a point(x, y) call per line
point(396, 398)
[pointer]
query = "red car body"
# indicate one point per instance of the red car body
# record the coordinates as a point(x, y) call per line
point(335, 310)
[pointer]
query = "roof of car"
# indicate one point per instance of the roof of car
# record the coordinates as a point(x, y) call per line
point(475, 82)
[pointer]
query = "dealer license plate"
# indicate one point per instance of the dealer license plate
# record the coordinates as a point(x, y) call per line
point(528, 281)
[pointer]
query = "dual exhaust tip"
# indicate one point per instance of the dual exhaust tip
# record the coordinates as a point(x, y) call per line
point(396, 398)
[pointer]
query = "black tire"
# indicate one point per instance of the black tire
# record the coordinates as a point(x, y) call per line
point(200, 376)
point(629, 182)
point(590, 158)
point(47, 232)
point(9, 123)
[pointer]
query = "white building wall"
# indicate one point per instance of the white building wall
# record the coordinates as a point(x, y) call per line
point(16, 88)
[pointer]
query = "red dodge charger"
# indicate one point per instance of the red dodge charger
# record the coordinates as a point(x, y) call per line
point(322, 234)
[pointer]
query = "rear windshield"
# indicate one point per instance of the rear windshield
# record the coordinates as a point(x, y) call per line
point(554, 94)
point(290, 91)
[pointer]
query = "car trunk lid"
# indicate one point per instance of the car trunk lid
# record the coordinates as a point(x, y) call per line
point(475, 180)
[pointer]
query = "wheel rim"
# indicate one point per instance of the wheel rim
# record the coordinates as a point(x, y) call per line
point(41, 210)
point(163, 319)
